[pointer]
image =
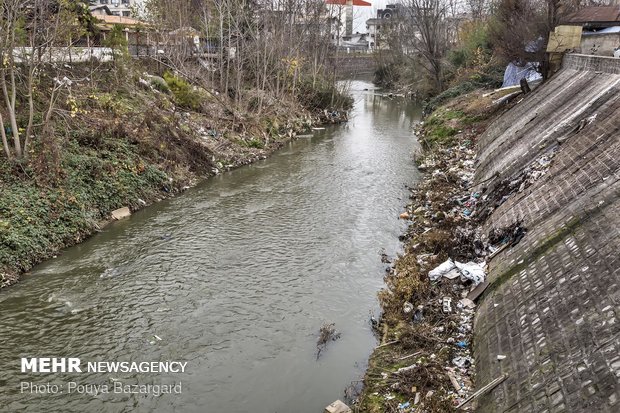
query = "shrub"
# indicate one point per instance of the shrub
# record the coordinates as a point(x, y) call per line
point(387, 74)
point(255, 143)
point(159, 84)
point(184, 95)
point(323, 95)
point(490, 76)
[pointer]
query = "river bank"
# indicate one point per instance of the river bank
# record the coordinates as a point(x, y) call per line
point(130, 144)
point(424, 359)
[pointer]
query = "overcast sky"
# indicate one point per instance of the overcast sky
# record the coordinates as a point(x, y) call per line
point(361, 14)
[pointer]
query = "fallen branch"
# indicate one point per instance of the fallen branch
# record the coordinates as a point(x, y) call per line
point(484, 390)
point(387, 344)
point(410, 355)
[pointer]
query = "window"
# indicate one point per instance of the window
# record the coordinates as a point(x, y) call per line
point(126, 13)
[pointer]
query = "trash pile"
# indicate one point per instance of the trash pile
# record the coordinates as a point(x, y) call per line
point(532, 173)
point(425, 361)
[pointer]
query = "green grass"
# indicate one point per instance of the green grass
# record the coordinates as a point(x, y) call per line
point(37, 219)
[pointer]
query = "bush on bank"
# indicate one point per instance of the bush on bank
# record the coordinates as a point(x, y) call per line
point(129, 141)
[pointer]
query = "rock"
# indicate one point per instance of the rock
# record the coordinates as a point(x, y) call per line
point(338, 407)
point(121, 213)
point(404, 215)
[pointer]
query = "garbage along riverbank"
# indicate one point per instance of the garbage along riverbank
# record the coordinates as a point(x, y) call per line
point(424, 361)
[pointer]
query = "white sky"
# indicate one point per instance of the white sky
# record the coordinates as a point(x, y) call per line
point(361, 14)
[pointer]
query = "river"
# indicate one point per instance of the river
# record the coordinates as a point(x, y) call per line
point(234, 277)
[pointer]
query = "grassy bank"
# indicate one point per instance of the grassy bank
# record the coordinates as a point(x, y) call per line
point(424, 361)
point(129, 142)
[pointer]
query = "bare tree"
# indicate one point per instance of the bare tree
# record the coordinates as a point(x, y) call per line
point(29, 31)
point(426, 31)
point(478, 8)
point(270, 47)
point(521, 28)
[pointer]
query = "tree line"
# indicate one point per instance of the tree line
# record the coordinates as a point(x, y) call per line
point(247, 52)
point(434, 40)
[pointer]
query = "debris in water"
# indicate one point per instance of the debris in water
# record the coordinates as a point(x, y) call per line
point(384, 257)
point(327, 333)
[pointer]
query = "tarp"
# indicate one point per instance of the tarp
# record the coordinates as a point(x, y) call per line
point(514, 74)
point(612, 29)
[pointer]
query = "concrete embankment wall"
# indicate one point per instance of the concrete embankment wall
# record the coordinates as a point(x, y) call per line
point(553, 303)
point(350, 66)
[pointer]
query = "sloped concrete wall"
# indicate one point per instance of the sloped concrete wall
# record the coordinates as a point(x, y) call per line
point(553, 303)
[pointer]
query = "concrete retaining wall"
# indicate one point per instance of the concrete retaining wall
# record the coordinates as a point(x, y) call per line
point(591, 63)
point(600, 44)
point(352, 65)
point(554, 300)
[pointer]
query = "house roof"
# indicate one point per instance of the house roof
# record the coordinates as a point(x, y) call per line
point(595, 16)
point(103, 7)
point(344, 2)
point(185, 31)
point(122, 20)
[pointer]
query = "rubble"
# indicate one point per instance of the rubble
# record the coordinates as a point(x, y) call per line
point(338, 407)
point(121, 213)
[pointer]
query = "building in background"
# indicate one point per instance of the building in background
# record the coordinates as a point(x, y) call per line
point(342, 11)
point(387, 22)
point(124, 8)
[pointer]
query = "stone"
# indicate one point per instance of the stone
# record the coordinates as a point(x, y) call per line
point(121, 213)
point(338, 407)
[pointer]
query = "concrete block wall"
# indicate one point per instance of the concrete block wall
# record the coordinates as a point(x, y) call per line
point(553, 304)
point(601, 44)
point(591, 63)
